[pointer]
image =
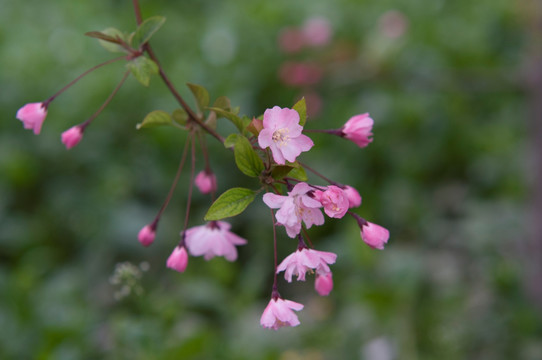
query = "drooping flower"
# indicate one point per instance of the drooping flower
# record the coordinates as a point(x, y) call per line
point(147, 234)
point(32, 115)
point(303, 260)
point(298, 206)
point(323, 283)
point(206, 182)
point(334, 200)
point(178, 260)
point(279, 313)
point(72, 136)
point(354, 198)
point(358, 129)
point(282, 134)
point(374, 235)
point(213, 239)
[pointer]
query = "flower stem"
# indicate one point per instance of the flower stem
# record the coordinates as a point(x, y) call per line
point(274, 294)
point(191, 183)
point(317, 173)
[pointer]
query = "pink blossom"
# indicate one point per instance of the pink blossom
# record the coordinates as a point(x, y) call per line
point(178, 260)
point(146, 235)
point(374, 235)
point(300, 73)
point(291, 40)
point(32, 115)
point(334, 201)
point(317, 31)
point(282, 133)
point(279, 313)
point(213, 239)
point(72, 136)
point(206, 182)
point(323, 283)
point(303, 260)
point(358, 129)
point(298, 206)
point(354, 198)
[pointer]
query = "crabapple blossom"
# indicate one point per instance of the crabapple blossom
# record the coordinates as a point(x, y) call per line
point(358, 129)
point(146, 235)
point(354, 198)
point(213, 239)
point(279, 313)
point(178, 260)
point(72, 136)
point(282, 134)
point(206, 182)
point(374, 235)
point(32, 115)
point(303, 260)
point(334, 201)
point(295, 208)
point(323, 283)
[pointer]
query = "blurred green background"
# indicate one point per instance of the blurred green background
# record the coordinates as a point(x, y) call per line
point(449, 174)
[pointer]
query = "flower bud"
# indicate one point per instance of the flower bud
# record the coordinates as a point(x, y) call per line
point(354, 198)
point(206, 182)
point(358, 130)
point(323, 284)
point(146, 235)
point(374, 235)
point(178, 260)
point(32, 115)
point(72, 136)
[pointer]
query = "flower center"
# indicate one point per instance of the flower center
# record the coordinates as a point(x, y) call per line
point(280, 136)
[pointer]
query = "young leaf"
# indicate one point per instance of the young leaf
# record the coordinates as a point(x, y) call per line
point(155, 118)
point(180, 116)
point(236, 120)
point(142, 68)
point(246, 158)
point(280, 171)
point(111, 39)
point(201, 94)
point(231, 140)
point(301, 108)
point(223, 103)
point(147, 29)
point(299, 173)
point(233, 202)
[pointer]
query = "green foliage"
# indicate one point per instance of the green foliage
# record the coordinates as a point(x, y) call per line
point(142, 68)
point(110, 39)
point(246, 158)
point(301, 108)
point(146, 30)
point(156, 118)
point(200, 94)
point(231, 203)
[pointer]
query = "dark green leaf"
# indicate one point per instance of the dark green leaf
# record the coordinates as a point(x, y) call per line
point(147, 29)
point(236, 120)
point(233, 202)
point(280, 171)
point(180, 117)
point(143, 68)
point(246, 158)
point(301, 108)
point(201, 94)
point(299, 174)
point(155, 118)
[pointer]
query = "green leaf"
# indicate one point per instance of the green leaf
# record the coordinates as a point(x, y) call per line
point(233, 202)
point(299, 173)
point(155, 118)
point(180, 116)
point(301, 108)
point(143, 68)
point(110, 39)
point(280, 171)
point(146, 30)
point(201, 94)
point(246, 158)
point(231, 140)
point(223, 103)
point(236, 120)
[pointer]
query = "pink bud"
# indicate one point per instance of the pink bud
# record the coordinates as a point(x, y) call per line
point(146, 235)
point(323, 284)
point(178, 260)
point(206, 182)
point(72, 136)
point(32, 115)
point(358, 129)
point(374, 235)
point(354, 198)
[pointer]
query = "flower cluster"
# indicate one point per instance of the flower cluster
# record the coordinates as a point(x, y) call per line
point(265, 148)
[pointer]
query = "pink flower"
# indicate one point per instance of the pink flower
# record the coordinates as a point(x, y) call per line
point(303, 260)
point(213, 239)
point(291, 40)
point(32, 115)
point(358, 129)
point(278, 313)
point(72, 136)
point(178, 260)
point(206, 182)
point(334, 201)
point(295, 208)
point(354, 198)
point(282, 133)
point(323, 283)
point(300, 73)
point(317, 31)
point(374, 235)
point(146, 235)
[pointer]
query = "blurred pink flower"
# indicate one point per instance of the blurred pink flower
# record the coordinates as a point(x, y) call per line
point(354, 198)
point(146, 235)
point(72, 136)
point(282, 134)
point(213, 239)
point(323, 283)
point(32, 115)
point(317, 31)
point(374, 235)
point(303, 260)
point(300, 73)
point(295, 208)
point(334, 200)
point(178, 260)
point(291, 40)
point(393, 24)
point(358, 129)
point(279, 313)
point(206, 182)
